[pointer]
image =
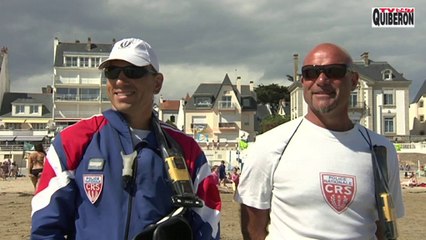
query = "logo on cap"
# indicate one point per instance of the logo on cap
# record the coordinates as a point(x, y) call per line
point(125, 44)
point(338, 190)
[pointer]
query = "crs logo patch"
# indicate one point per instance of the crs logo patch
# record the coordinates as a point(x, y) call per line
point(93, 185)
point(338, 190)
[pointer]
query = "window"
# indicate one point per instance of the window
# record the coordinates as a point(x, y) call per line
point(13, 126)
point(203, 102)
point(353, 99)
point(421, 104)
point(199, 120)
point(19, 109)
point(389, 125)
point(246, 102)
point(388, 98)
point(95, 62)
point(89, 94)
point(226, 102)
point(66, 93)
point(71, 61)
point(421, 118)
point(39, 126)
point(84, 62)
point(104, 95)
point(33, 109)
point(387, 74)
point(199, 123)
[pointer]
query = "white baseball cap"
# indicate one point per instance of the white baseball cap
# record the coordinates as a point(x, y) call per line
point(135, 51)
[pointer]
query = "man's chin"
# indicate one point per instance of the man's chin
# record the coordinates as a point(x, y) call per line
point(123, 107)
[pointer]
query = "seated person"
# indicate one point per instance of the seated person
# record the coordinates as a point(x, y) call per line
point(412, 182)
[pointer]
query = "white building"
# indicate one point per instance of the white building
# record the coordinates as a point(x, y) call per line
point(79, 87)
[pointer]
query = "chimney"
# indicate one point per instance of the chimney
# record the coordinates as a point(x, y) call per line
point(296, 66)
point(113, 41)
point(251, 86)
point(364, 57)
point(89, 44)
point(239, 84)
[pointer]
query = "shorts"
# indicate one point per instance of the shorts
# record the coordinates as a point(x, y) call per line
point(36, 172)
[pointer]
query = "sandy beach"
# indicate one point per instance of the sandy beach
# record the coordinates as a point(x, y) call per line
point(16, 194)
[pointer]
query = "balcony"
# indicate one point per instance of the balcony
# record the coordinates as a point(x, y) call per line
point(74, 114)
point(228, 126)
point(226, 105)
point(358, 107)
point(198, 126)
point(79, 98)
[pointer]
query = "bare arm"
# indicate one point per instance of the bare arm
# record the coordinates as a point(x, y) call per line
point(30, 162)
point(254, 223)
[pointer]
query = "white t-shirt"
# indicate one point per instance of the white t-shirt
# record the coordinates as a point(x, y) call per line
point(138, 135)
point(323, 186)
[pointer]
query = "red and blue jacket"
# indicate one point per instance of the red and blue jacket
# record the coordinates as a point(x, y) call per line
point(81, 193)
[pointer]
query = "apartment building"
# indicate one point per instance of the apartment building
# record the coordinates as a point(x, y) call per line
point(380, 102)
point(79, 87)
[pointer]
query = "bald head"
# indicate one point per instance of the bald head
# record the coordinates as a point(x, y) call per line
point(327, 53)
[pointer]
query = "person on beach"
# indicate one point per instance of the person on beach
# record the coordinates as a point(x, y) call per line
point(36, 164)
point(106, 177)
point(313, 177)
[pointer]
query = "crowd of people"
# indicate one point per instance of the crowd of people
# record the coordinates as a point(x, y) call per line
point(222, 177)
point(9, 169)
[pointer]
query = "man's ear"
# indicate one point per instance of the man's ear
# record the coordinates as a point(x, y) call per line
point(158, 78)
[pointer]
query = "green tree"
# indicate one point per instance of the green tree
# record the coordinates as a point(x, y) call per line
point(272, 94)
point(272, 121)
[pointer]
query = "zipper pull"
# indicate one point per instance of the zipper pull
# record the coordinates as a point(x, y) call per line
point(128, 161)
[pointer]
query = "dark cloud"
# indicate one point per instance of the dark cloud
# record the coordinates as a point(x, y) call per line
point(203, 40)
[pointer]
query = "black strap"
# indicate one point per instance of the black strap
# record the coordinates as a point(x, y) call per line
point(285, 147)
point(383, 196)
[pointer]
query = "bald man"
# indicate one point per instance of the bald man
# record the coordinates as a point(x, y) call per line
point(313, 177)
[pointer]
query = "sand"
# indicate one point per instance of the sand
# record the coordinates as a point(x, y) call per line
point(15, 204)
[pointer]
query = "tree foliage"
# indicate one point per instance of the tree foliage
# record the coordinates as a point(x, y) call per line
point(272, 94)
point(272, 121)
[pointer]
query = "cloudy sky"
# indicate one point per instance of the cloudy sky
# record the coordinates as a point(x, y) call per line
point(202, 40)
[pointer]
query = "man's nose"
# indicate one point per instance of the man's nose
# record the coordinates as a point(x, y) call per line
point(322, 79)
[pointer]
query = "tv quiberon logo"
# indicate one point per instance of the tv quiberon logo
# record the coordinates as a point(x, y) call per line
point(392, 17)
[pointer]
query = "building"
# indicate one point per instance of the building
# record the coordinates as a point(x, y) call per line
point(418, 114)
point(380, 101)
point(217, 113)
point(25, 118)
point(79, 87)
point(168, 111)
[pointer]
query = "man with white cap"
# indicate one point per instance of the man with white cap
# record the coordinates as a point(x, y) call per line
point(109, 172)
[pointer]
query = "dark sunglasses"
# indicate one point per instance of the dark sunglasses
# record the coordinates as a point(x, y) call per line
point(133, 72)
point(312, 72)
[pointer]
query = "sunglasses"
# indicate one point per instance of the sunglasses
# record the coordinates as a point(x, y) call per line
point(133, 72)
point(312, 72)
